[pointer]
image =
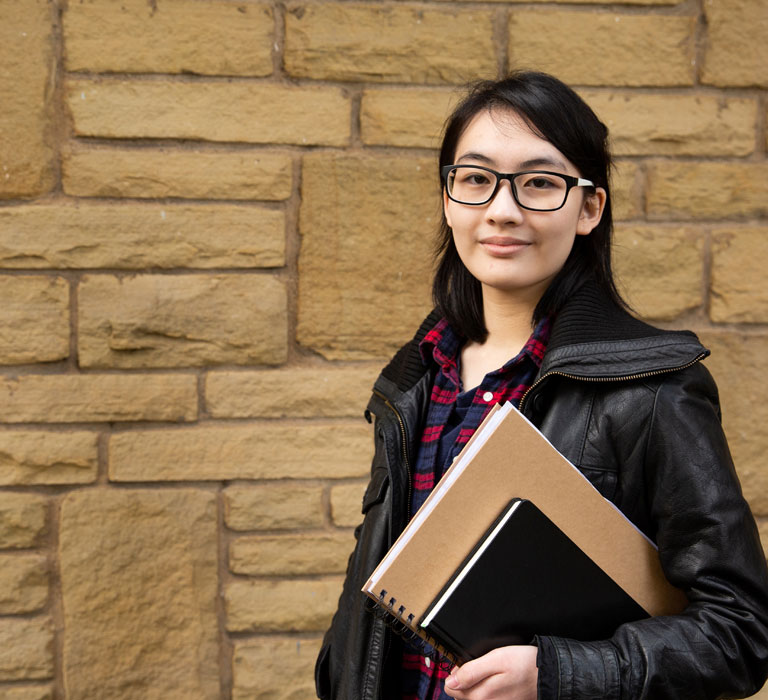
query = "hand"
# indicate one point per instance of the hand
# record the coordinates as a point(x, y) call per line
point(507, 673)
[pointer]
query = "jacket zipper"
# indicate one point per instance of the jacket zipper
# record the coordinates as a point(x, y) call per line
point(404, 445)
point(617, 378)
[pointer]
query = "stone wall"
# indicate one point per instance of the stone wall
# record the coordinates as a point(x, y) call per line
point(215, 221)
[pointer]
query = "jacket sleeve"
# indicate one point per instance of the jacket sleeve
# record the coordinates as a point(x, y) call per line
point(709, 547)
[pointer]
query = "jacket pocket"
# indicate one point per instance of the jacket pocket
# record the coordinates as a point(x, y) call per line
point(377, 488)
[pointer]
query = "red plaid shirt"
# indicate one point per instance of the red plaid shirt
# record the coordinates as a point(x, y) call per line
point(453, 416)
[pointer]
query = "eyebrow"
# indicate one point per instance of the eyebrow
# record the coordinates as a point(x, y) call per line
point(530, 163)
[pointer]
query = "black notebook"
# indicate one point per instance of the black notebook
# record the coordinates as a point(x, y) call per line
point(525, 577)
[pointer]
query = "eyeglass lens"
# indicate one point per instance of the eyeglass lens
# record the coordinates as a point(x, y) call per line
point(533, 190)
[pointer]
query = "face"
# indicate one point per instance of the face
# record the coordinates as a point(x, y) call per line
point(507, 248)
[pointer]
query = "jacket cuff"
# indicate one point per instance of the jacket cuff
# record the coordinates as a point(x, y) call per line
point(571, 670)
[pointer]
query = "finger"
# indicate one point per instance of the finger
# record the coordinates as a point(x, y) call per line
point(475, 671)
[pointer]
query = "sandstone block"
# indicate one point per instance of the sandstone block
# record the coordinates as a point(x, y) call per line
point(115, 172)
point(76, 398)
point(626, 191)
point(707, 190)
point(139, 235)
point(211, 38)
point(701, 125)
point(739, 363)
point(181, 320)
point(347, 504)
point(258, 451)
point(300, 392)
point(36, 457)
point(273, 507)
point(660, 269)
point(738, 292)
point(367, 226)
point(23, 518)
point(210, 111)
point(34, 319)
point(732, 26)
point(409, 118)
point(23, 583)
point(26, 649)
point(281, 555)
point(26, 54)
point(281, 606)
point(563, 42)
point(399, 43)
point(274, 668)
point(139, 588)
point(26, 692)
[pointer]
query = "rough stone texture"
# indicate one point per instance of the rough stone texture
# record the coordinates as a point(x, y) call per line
point(261, 666)
point(162, 172)
point(258, 451)
point(23, 583)
point(23, 519)
point(26, 649)
point(396, 43)
point(73, 398)
point(181, 321)
point(34, 457)
point(35, 692)
point(350, 206)
point(34, 319)
point(139, 588)
point(347, 504)
point(212, 111)
point(590, 48)
point(626, 190)
point(288, 555)
point(281, 606)
point(139, 235)
point(26, 57)
point(184, 36)
point(676, 124)
point(739, 363)
point(273, 507)
point(733, 25)
point(405, 117)
point(707, 190)
point(299, 392)
point(738, 292)
point(670, 257)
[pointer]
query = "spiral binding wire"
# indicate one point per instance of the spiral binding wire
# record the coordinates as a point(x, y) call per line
point(403, 627)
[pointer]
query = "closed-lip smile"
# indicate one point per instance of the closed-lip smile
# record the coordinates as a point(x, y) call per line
point(503, 245)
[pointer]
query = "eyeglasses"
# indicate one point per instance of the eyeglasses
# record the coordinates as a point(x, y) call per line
point(537, 190)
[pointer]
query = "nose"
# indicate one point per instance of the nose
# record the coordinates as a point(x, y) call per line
point(503, 208)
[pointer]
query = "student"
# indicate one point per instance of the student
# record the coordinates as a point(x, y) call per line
point(527, 311)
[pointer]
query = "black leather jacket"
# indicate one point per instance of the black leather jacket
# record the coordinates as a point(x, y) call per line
point(633, 408)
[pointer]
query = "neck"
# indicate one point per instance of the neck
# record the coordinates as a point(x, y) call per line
point(508, 317)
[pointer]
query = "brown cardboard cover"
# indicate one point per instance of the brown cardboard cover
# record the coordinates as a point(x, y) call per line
point(517, 461)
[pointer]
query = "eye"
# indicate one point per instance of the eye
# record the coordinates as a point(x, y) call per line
point(473, 177)
point(540, 182)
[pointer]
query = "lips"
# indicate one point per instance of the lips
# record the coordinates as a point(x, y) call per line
point(503, 245)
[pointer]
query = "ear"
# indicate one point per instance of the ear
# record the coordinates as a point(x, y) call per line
point(446, 208)
point(591, 212)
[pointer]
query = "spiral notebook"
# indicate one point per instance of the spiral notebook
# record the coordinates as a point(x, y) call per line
point(508, 458)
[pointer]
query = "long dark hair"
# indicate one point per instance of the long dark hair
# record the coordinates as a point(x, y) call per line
point(556, 113)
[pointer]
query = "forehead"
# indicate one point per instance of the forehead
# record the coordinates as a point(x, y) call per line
point(503, 138)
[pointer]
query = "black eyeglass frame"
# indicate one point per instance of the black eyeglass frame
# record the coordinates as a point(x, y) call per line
point(570, 182)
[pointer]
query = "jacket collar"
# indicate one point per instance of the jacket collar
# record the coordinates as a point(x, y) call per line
point(591, 338)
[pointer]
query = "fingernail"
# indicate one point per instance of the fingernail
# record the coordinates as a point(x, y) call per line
point(451, 682)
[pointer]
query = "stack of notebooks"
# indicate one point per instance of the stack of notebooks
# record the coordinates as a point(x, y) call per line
point(515, 542)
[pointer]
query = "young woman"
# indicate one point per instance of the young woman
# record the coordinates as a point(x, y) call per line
point(527, 311)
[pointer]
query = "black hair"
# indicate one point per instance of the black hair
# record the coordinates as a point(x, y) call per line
point(556, 113)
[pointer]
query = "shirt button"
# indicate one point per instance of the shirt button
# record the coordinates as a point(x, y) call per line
point(488, 396)
point(427, 662)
